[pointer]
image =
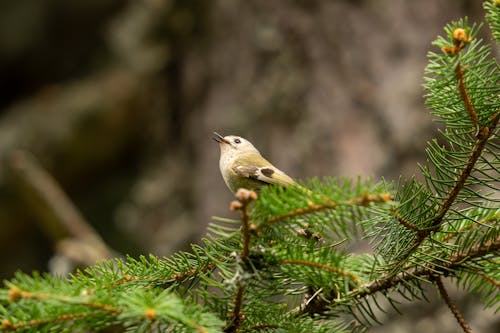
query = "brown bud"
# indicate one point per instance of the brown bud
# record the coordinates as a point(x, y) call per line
point(460, 35)
point(150, 314)
point(449, 49)
point(6, 323)
point(235, 205)
point(245, 195)
point(252, 195)
point(386, 197)
point(242, 194)
point(15, 294)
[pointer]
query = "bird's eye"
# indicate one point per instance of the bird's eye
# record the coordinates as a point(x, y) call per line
point(237, 141)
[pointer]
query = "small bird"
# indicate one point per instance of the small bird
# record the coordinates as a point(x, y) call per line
point(242, 165)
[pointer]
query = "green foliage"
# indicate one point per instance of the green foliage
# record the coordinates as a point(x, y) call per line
point(493, 17)
point(287, 265)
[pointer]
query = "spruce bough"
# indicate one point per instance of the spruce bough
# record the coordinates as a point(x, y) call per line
point(283, 266)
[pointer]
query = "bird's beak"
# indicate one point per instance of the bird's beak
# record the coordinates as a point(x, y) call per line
point(219, 138)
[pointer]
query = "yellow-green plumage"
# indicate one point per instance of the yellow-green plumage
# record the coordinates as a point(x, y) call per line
point(242, 166)
point(253, 173)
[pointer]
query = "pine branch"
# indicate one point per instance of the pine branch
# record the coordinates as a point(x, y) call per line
point(335, 270)
point(16, 294)
point(244, 198)
point(463, 89)
point(441, 267)
point(139, 308)
point(7, 326)
point(291, 247)
point(422, 213)
point(491, 280)
point(332, 204)
point(493, 16)
point(444, 294)
point(363, 200)
point(484, 134)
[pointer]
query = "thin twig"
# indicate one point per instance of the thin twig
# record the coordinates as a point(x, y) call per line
point(464, 175)
point(483, 136)
point(462, 89)
point(407, 224)
point(244, 197)
point(363, 200)
point(443, 266)
point(245, 233)
point(7, 326)
point(335, 270)
point(451, 305)
point(488, 278)
point(16, 294)
point(384, 284)
point(261, 327)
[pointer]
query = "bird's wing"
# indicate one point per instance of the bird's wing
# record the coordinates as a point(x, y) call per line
point(266, 174)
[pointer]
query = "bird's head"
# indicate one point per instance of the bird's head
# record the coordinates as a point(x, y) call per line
point(234, 144)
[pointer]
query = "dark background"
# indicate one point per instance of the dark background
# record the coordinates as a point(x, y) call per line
point(118, 100)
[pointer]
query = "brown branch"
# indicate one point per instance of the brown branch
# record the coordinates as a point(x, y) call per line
point(450, 236)
point(7, 326)
point(439, 267)
point(458, 315)
point(335, 270)
point(167, 280)
point(464, 174)
point(261, 326)
point(460, 40)
point(245, 233)
point(488, 278)
point(462, 89)
point(16, 294)
point(244, 197)
point(363, 200)
point(235, 318)
point(407, 224)
point(482, 140)
point(443, 266)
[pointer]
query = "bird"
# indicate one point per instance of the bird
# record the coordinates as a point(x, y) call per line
point(242, 165)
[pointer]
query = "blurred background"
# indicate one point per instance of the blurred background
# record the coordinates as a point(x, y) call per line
point(107, 109)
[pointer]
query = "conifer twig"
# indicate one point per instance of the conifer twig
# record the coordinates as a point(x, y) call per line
point(462, 89)
point(460, 39)
point(363, 200)
point(443, 266)
point(488, 278)
point(384, 284)
point(7, 326)
point(477, 150)
point(335, 270)
point(483, 136)
point(407, 224)
point(458, 315)
point(16, 294)
point(244, 197)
